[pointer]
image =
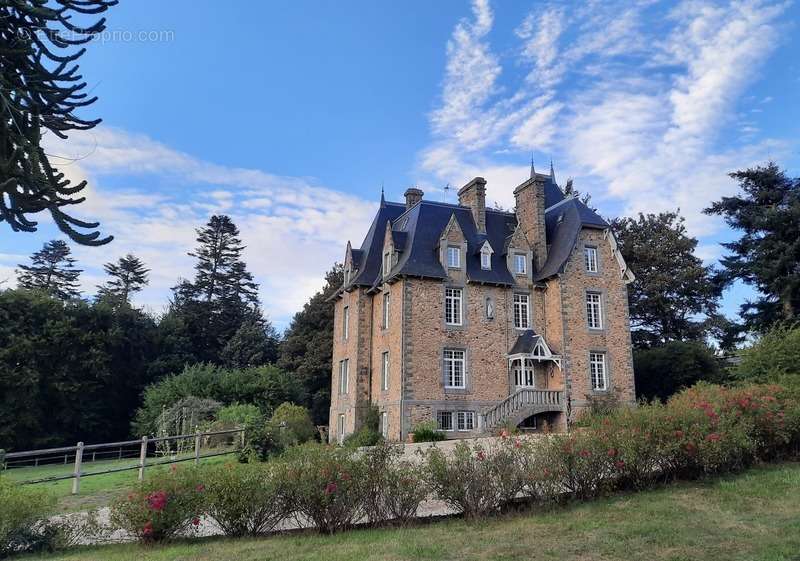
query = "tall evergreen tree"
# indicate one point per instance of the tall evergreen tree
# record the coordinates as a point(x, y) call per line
point(307, 347)
point(674, 296)
point(52, 271)
point(223, 295)
point(40, 91)
point(767, 255)
point(128, 276)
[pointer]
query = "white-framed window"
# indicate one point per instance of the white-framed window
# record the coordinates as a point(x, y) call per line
point(486, 260)
point(385, 320)
point(597, 371)
point(453, 298)
point(453, 257)
point(444, 420)
point(594, 310)
point(455, 363)
point(385, 424)
point(387, 263)
point(590, 258)
point(385, 371)
point(344, 372)
point(524, 373)
point(520, 263)
point(346, 322)
point(465, 420)
point(522, 311)
point(340, 431)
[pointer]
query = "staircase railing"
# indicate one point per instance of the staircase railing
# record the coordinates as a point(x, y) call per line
point(525, 398)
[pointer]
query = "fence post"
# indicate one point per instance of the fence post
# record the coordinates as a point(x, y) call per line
point(76, 479)
point(243, 438)
point(196, 447)
point(142, 458)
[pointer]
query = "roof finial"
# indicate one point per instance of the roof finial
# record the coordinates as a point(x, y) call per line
point(552, 172)
point(383, 199)
point(533, 170)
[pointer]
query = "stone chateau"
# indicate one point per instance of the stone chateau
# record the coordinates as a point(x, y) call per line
point(478, 319)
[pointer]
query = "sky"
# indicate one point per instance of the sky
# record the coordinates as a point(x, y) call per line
point(290, 116)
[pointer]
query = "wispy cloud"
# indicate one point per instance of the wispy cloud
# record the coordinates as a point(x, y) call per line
point(638, 100)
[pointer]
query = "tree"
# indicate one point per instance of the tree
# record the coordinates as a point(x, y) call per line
point(773, 358)
point(52, 270)
point(674, 294)
point(128, 276)
point(307, 347)
point(665, 370)
point(253, 344)
point(40, 91)
point(223, 295)
point(767, 255)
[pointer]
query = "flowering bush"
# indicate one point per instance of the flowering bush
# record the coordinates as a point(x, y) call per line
point(476, 479)
point(580, 462)
point(244, 499)
point(324, 484)
point(393, 488)
point(161, 507)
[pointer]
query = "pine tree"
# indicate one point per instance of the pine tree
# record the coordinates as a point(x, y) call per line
point(767, 255)
point(674, 296)
point(253, 344)
point(40, 90)
point(223, 295)
point(52, 271)
point(128, 276)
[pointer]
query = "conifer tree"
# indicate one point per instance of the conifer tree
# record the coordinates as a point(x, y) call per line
point(52, 271)
point(40, 91)
point(128, 276)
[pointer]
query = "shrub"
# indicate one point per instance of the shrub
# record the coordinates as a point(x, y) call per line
point(162, 507)
point(260, 443)
point(368, 434)
point(580, 462)
point(21, 512)
point(239, 415)
point(662, 371)
point(474, 479)
point(244, 499)
point(324, 484)
point(427, 431)
point(291, 424)
point(393, 488)
point(773, 358)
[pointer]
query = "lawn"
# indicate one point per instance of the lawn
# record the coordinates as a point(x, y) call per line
point(750, 516)
point(96, 490)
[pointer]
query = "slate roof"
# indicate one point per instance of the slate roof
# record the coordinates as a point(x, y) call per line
point(416, 233)
point(524, 343)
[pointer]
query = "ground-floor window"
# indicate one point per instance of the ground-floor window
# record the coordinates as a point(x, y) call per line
point(455, 420)
point(466, 420)
point(597, 371)
point(444, 420)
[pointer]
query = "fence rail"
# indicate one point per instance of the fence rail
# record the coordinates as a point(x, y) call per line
point(47, 456)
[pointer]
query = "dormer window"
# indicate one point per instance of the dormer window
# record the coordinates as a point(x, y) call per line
point(520, 264)
point(453, 257)
point(486, 257)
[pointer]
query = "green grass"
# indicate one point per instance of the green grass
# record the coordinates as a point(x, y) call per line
point(96, 490)
point(752, 516)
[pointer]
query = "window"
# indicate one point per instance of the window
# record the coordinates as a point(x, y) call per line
point(344, 368)
point(340, 432)
point(453, 257)
point(454, 369)
point(597, 371)
point(385, 371)
point(452, 306)
point(385, 425)
point(385, 322)
point(590, 257)
point(594, 311)
point(346, 323)
point(444, 419)
point(387, 263)
point(523, 373)
point(465, 420)
point(522, 317)
point(520, 264)
point(486, 260)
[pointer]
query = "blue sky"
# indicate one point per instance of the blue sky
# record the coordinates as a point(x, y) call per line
point(290, 115)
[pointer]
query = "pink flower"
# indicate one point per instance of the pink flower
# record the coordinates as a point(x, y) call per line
point(619, 464)
point(195, 521)
point(504, 433)
point(330, 488)
point(517, 444)
point(157, 500)
point(200, 488)
point(612, 452)
point(148, 529)
point(713, 437)
point(585, 453)
point(678, 434)
point(481, 455)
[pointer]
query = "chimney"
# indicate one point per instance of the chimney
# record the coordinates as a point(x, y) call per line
point(413, 196)
point(530, 216)
point(473, 195)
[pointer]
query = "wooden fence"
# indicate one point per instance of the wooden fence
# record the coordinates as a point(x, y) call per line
point(116, 451)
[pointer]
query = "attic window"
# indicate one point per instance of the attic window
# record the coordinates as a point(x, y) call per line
point(453, 257)
point(486, 257)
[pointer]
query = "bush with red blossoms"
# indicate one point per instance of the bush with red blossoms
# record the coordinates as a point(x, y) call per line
point(394, 488)
point(162, 507)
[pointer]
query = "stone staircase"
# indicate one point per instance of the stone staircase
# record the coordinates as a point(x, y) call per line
point(521, 405)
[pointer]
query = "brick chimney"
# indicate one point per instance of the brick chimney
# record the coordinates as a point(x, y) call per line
point(530, 215)
point(473, 195)
point(413, 196)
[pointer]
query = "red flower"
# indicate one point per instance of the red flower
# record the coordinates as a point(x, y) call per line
point(157, 501)
point(148, 529)
point(200, 488)
point(131, 496)
point(713, 437)
point(504, 433)
point(585, 453)
point(545, 472)
point(517, 444)
point(690, 448)
point(619, 464)
point(330, 488)
point(195, 521)
point(678, 434)
point(612, 452)
point(173, 468)
point(481, 455)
